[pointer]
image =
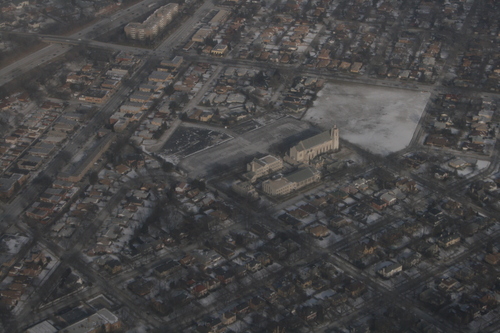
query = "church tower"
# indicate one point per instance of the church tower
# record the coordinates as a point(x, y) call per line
point(334, 134)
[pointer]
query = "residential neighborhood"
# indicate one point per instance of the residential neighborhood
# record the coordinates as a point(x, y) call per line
point(249, 166)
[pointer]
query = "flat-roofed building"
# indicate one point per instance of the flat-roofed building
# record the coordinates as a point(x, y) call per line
point(43, 327)
point(7, 187)
point(29, 162)
point(102, 320)
point(391, 270)
point(151, 87)
point(277, 187)
point(95, 96)
point(110, 84)
point(41, 150)
point(131, 107)
point(154, 24)
point(75, 173)
point(304, 176)
point(219, 18)
point(260, 167)
point(291, 182)
point(219, 49)
point(117, 72)
point(160, 76)
point(321, 143)
point(201, 35)
point(140, 97)
point(172, 64)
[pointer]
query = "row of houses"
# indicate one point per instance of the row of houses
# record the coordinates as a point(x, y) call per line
point(471, 60)
point(31, 135)
point(116, 231)
point(91, 200)
point(141, 100)
point(231, 95)
point(223, 260)
point(477, 132)
point(333, 55)
point(23, 275)
point(412, 58)
point(213, 29)
point(36, 139)
point(473, 301)
point(102, 83)
point(482, 130)
point(52, 201)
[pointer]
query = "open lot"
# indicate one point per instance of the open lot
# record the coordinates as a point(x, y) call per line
point(275, 136)
point(379, 119)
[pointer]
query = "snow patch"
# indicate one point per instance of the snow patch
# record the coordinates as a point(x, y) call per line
point(379, 119)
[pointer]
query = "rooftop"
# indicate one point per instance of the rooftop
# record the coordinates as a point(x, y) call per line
point(89, 324)
point(301, 174)
point(314, 141)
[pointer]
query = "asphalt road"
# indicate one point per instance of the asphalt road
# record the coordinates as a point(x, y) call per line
point(77, 143)
point(110, 284)
point(73, 147)
point(52, 51)
point(72, 258)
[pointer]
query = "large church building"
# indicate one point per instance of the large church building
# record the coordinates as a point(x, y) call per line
point(321, 143)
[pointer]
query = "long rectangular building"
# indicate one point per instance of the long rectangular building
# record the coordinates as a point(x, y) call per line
point(156, 22)
point(291, 182)
point(308, 149)
point(260, 167)
point(75, 173)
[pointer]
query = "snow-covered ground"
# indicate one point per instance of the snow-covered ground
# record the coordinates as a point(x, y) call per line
point(13, 243)
point(379, 119)
point(476, 166)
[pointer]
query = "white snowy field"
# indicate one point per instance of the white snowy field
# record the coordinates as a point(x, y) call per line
point(379, 119)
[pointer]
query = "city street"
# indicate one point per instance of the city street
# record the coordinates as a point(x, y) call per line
point(365, 211)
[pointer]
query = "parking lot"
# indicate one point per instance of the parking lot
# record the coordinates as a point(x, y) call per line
point(240, 148)
point(186, 141)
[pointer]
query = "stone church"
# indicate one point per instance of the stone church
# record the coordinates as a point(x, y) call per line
point(308, 149)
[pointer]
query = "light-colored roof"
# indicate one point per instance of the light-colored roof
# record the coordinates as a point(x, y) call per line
point(219, 47)
point(220, 16)
point(43, 327)
point(388, 196)
point(261, 162)
point(131, 106)
point(458, 162)
point(319, 230)
point(108, 315)
point(156, 17)
point(392, 267)
point(202, 33)
point(268, 159)
point(88, 324)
